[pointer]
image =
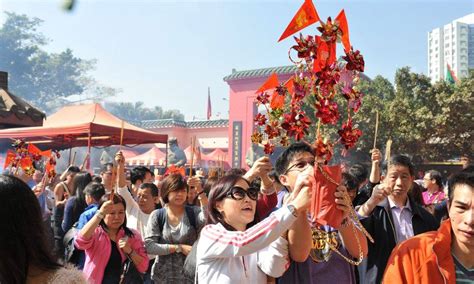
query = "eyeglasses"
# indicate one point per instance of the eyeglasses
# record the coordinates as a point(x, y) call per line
point(238, 193)
point(300, 166)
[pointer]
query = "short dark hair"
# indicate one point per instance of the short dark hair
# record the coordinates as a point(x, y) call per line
point(139, 173)
point(96, 178)
point(171, 183)
point(359, 172)
point(350, 182)
point(73, 169)
point(458, 179)
point(236, 171)
point(437, 177)
point(153, 189)
point(95, 190)
point(285, 158)
point(401, 160)
point(105, 167)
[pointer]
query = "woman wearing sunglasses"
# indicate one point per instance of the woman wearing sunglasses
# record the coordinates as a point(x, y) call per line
point(233, 248)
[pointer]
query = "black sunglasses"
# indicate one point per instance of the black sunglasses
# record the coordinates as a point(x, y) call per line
point(238, 193)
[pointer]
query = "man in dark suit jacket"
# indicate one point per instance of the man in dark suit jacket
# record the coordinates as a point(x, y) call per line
point(391, 217)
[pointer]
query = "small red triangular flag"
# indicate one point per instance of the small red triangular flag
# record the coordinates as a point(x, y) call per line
point(306, 15)
point(342, 20)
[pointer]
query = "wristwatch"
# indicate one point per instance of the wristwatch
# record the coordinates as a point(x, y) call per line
point(100, 215)
point(292, 210)
point(178, 249)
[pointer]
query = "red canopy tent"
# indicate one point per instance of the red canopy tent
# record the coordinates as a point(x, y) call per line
point(83, 125)
point(127, 154)
point(216, 155)
point(216, 158)
point(154, 156)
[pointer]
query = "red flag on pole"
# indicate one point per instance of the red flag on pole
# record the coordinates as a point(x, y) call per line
point(209, 108)
point(305, 16)
point(342, 20)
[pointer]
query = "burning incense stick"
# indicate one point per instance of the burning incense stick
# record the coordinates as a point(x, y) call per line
point(376, 128)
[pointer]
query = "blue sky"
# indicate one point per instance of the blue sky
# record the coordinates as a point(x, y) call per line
point(167, 53)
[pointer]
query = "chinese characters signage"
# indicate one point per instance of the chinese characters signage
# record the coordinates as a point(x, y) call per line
point(236, 144)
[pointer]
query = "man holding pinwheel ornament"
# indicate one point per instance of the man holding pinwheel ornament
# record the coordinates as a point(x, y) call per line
point(333, 237)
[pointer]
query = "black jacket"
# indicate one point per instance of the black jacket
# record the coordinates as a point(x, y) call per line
point(381, 226)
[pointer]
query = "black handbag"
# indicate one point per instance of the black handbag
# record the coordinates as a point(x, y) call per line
point(130, 274)
point(189, 267)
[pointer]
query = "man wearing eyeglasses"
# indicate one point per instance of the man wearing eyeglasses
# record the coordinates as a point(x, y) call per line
point(295, 163)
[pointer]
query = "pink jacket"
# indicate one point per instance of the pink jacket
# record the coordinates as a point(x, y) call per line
point(98, 252)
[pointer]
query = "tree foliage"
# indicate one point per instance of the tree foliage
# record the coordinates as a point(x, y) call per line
point(136, 112)
point(433, 122)
point(47, 80)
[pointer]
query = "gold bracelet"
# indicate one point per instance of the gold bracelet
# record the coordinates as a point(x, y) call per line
point(345, 223)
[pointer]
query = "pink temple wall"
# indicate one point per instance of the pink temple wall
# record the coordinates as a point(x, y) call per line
point(242, 108)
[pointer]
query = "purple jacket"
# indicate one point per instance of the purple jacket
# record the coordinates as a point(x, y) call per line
point(98, 252)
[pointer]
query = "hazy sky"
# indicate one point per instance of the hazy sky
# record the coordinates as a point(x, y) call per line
point(167, 53)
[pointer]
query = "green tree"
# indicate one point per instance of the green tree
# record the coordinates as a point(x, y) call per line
point(136, 112)
point(48, 80)
point(433, 122)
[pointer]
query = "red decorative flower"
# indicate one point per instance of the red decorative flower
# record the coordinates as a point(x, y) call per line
point(272, 130)
point(327, 111)
point(260, 119)
point(284, 141)
point(330, 31)
point(263, 98)
point(324, 150)
point(36, 157)
point(306, 47)
point(301, 89)
point(51, 173)
point(296, 124)
point(257, 137)
point(349, 136)
point(356, 103)
point(29, 171)
point(355, 60)
point(268, 148)
point(326, 79)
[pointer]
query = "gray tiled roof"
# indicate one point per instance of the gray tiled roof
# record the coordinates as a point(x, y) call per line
point(265, 72)
point(11, 104)
point(167, 123)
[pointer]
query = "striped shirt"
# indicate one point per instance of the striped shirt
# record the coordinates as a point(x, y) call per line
point(463, 275)
point(402, 219)
point(244, 257)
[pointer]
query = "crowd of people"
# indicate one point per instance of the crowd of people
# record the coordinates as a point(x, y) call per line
point(239, 227)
